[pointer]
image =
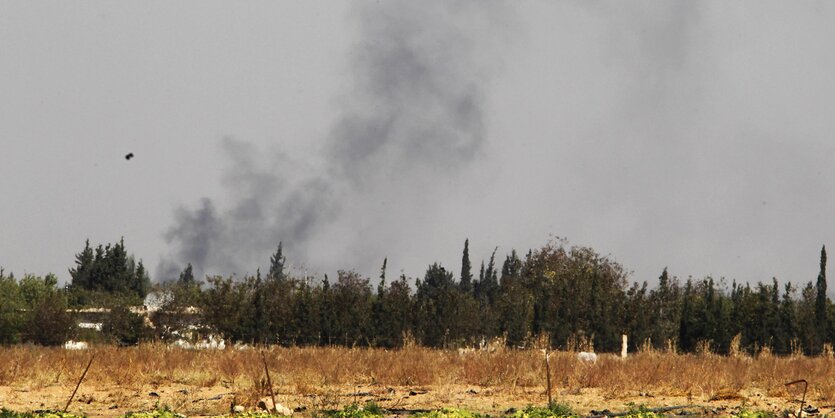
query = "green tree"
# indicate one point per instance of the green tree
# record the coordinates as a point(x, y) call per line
point(49, 321)
point(788, 321)
point(81, 274)
point(687, 335)
point(327, 314)
point(396, 313)
point(487, 287)
point(807, 320)
point(639, 326)
point(377, 312)
point(352, 305)
point(124, 327)
point(305, 314)
point(186, 276)
point(821, 317)
point(466, 282)
point(665, 310)
point(260, 318)
point(277, 264)
point(435, 305)
point(223, 309)
point(12, 310)
point(515, 307)
point(280, 294)
point(512, 266)
point(108, 270)
point(35, 289)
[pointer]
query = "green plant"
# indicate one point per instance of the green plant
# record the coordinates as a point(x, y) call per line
point(556, 410)
point(123, 326)
point(450, 413)
point(744, 413)
point(644, 414)
point(156, 413)
point(370, 410)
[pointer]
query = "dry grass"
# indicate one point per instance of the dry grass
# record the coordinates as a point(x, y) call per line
point(413, 377)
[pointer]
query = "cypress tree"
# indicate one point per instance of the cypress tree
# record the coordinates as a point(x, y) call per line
point(326, 317)
point(466, 284)
point(258, 332)
point(377, 311)
point(141, 281)
point(820, 300)
point(491, 273)
point(788, 320)
point(808, 326)
point(84, 266)
point(277, 264)
point(488, 285)
point(109, 269)
point(685, 331)
point(512, 266)
point(187, 276)
point(435, 299)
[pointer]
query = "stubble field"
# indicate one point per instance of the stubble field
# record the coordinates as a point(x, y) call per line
point(205, 383)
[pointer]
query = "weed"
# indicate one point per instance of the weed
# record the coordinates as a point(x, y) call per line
point(641, 411)
point(754, 414)
point(556, 410)
point(450, 413)
point(156, 413)
point(370, 410)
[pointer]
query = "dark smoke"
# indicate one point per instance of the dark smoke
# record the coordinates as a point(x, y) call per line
point(265, 210)
point(415, 115)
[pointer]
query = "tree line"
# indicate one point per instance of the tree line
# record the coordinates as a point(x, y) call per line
point(566, 293)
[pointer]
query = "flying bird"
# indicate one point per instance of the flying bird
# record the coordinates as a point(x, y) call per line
point(129, 156)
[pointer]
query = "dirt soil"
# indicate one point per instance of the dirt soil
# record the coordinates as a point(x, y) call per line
point(98, 401)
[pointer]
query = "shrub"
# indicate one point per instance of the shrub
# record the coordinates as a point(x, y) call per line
point(123, 326)
point(156, 413)
point(556, 410)
point(370, 410)
point(49, 323)
point(450, 413)
point(754, 414)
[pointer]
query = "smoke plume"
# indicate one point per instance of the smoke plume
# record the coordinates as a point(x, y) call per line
point(414, 118)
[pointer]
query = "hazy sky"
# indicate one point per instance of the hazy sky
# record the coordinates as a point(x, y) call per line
point(693, 135)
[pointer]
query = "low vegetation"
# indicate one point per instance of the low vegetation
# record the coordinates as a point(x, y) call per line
point(316, 379)
point(555, 410)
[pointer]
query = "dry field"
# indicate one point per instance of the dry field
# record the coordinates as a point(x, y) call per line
point(206, 382)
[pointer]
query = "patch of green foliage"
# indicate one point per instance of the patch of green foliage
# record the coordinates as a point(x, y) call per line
point(5, 413)
point(645, 414)
point(450, 413)
point(156, 413)
point(641, 411)
point(556, 410)
point(754, 414)
point(369, 410)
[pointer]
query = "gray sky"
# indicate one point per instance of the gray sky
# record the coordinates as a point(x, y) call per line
point(694, 135)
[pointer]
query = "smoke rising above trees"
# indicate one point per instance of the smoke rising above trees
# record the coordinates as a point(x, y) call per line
point(412, 119)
